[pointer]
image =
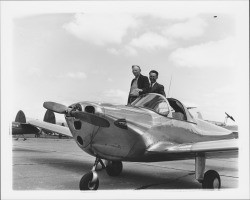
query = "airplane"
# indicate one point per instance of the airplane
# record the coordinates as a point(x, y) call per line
point(21, 127)
point(50, 118)
point(225, 125)
point(152, 129)
point(222, 124)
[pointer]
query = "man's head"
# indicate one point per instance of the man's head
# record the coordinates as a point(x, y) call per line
point(136, 70)
point(153, 75)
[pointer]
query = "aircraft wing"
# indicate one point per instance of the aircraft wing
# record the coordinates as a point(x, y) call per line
point(51, 127)
point(211, 149)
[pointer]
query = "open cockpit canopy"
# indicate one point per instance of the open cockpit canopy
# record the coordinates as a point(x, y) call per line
point(168, 107)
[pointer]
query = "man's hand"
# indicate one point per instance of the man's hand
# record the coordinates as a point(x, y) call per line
point(138, 90)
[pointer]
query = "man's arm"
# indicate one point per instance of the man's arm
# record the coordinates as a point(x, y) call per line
point(145, 85)
point(161, 90)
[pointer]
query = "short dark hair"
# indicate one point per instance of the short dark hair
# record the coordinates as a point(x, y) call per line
point(136, 66)
point(154, 71)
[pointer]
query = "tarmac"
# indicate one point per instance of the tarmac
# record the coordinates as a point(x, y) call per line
point(59, 164)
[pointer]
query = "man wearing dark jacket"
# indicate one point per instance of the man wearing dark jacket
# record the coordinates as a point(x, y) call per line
point(154, 86)
point(139, 85)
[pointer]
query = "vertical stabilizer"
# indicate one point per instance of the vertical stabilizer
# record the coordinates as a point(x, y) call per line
point(49, 117)
point(20, 117)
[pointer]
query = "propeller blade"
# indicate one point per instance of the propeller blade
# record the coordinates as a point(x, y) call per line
point(55, 107)
point(227, 114)
point(91, 118)
point(230, 117)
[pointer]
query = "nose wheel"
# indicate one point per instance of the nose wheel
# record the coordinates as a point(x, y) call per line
point(90, 180)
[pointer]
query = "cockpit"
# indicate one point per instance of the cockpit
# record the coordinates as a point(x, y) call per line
point(168, 107)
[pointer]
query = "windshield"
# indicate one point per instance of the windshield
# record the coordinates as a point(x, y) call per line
point(153, 102)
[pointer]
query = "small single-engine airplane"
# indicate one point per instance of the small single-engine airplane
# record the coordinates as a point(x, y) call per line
point(153, 128)
point(224, 124)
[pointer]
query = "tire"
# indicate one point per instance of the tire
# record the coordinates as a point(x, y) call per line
point(211, 180)
point(114, 168)
point(86, 182)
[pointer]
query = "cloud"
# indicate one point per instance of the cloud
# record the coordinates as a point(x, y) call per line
point(150, 41)
point(77, 75)
point(116, 96)
point(126, 50)
point(192, 28)
point(102, 28)
point(110, 80)
point(113, 51)
point(34, 71)
point(220, 54)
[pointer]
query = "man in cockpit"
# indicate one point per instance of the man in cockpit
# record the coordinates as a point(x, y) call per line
point(139, 85)
point(154, 86)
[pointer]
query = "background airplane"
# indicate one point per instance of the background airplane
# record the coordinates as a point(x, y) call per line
point(50, 118)
point(20, 127)
point(224, 124)
point(152, 129)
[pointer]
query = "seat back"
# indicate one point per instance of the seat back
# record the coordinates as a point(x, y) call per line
point(178, 115)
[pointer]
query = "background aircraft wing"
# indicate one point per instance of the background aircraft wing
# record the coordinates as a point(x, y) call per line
point(51, 127)
point(211, 149)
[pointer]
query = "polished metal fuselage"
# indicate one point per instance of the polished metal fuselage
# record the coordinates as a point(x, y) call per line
point(144, 129)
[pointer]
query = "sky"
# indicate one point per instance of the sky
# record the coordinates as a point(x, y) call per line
point(69, 52)
point(65, 55)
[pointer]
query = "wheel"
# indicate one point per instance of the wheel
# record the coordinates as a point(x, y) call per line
point(114, 168)
point(87, 184)
point(211, 180)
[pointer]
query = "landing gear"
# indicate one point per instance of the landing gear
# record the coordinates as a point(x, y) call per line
point(211, 180)
point(24, 138)
point(114, 168)
point(90, 180)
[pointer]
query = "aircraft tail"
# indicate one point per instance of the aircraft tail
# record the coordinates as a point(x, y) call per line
point(20, 117)
point(20, 125)
point(49, 117)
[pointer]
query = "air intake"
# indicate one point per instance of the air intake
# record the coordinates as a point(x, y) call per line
point(90, 109)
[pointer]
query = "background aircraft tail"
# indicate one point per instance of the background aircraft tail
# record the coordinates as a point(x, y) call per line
point(20, 125)
point(20, 117)
point(49, 117)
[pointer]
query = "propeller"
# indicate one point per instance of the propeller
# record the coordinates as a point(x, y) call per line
point(55, 107)
point(84, 116)
point(230, 117)
point(191, 107)
point(90, 118)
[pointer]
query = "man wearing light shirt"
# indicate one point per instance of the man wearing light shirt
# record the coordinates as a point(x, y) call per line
point(154, 86)
point(139, 85)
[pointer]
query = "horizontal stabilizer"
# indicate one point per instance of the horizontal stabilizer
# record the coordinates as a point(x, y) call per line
point(51, 127)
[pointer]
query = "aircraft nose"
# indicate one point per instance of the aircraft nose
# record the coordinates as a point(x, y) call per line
point(87, 120)
point(83, 132)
